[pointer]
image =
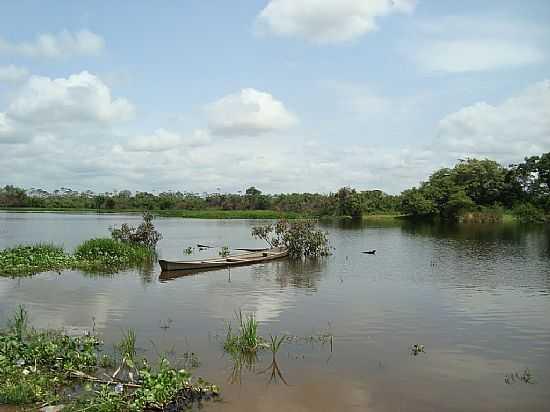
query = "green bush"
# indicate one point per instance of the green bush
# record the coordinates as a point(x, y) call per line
point(529, 213)
point(302, 238)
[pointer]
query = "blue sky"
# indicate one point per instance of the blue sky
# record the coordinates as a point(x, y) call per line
point(287, 95)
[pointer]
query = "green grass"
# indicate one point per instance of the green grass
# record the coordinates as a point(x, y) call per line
point(247, 340)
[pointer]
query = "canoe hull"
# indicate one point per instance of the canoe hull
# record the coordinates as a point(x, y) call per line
point(223, 262)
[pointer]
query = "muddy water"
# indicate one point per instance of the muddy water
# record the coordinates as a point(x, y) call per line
point(477, 297)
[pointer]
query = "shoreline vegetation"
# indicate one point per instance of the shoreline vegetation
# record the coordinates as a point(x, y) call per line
point(473, 191)
point(40, 368)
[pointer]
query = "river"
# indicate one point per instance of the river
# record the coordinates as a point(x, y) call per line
point(476, 296)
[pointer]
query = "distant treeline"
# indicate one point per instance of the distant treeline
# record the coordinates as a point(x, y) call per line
point(472, 190)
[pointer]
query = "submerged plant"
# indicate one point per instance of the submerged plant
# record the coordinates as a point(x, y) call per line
point(524, 377)
point(224, 251)
point(417, 349)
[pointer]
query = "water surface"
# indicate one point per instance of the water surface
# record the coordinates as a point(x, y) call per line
point(477, 297)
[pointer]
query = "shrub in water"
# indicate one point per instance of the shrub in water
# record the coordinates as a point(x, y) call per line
point(145, 234)
point(302, 238)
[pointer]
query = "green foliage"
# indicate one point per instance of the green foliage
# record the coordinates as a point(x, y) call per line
point(350, 203)
point(27, 260)
point(224, 251)
point(160, 387)
point(104, 399)
point(144, 235)
point(302, 238)
point(529, 213)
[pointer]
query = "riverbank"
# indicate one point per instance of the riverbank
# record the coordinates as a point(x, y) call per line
point(189, 214)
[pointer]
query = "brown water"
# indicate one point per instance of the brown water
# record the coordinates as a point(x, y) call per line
point(477, 297)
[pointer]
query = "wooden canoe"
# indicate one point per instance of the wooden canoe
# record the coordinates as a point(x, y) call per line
point(222, 262)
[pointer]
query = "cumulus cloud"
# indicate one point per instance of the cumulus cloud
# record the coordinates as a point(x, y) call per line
point(328, 21)
point(62, 44)
point(517, 127)
point(12, 73)
point(248, 113)
point(81, 97)
point(456, 44)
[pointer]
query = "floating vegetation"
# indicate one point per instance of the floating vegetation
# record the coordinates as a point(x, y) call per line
point(188, 250)
point(224, 251)
point(417, 349)
point(515, 377)
point(43, 368)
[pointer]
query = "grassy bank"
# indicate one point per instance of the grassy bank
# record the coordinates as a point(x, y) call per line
point(101, 255)
point(191, 214)
point(39, 368)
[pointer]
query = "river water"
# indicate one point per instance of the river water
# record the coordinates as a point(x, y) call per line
point(477, 298)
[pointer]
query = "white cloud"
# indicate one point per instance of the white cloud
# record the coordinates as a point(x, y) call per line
point(517, 127)
point(62, 44)
point(52, 156)
point(8, 130)
point(476, 55)
point(328, 21)
point(457, 44)
point(163, 140)
point(81, 97)
point(248, 113)
point(12, 73)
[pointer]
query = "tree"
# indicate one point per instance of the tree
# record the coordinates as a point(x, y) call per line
point(414, 202)
point(482, 180)
point(252, 191)
point(350, 203)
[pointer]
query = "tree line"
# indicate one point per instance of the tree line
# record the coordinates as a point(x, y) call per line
point(472, 189)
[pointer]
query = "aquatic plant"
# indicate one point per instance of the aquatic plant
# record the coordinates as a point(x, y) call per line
point(27, 260)
point(302, 238)
point(417, 349)
point(38, 366)
point(224, 251)
point(110, 253)
point(247, 340)
point(524, 377)
point(188, 250)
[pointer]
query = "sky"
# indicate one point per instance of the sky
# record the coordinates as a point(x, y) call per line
point(284, 95)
